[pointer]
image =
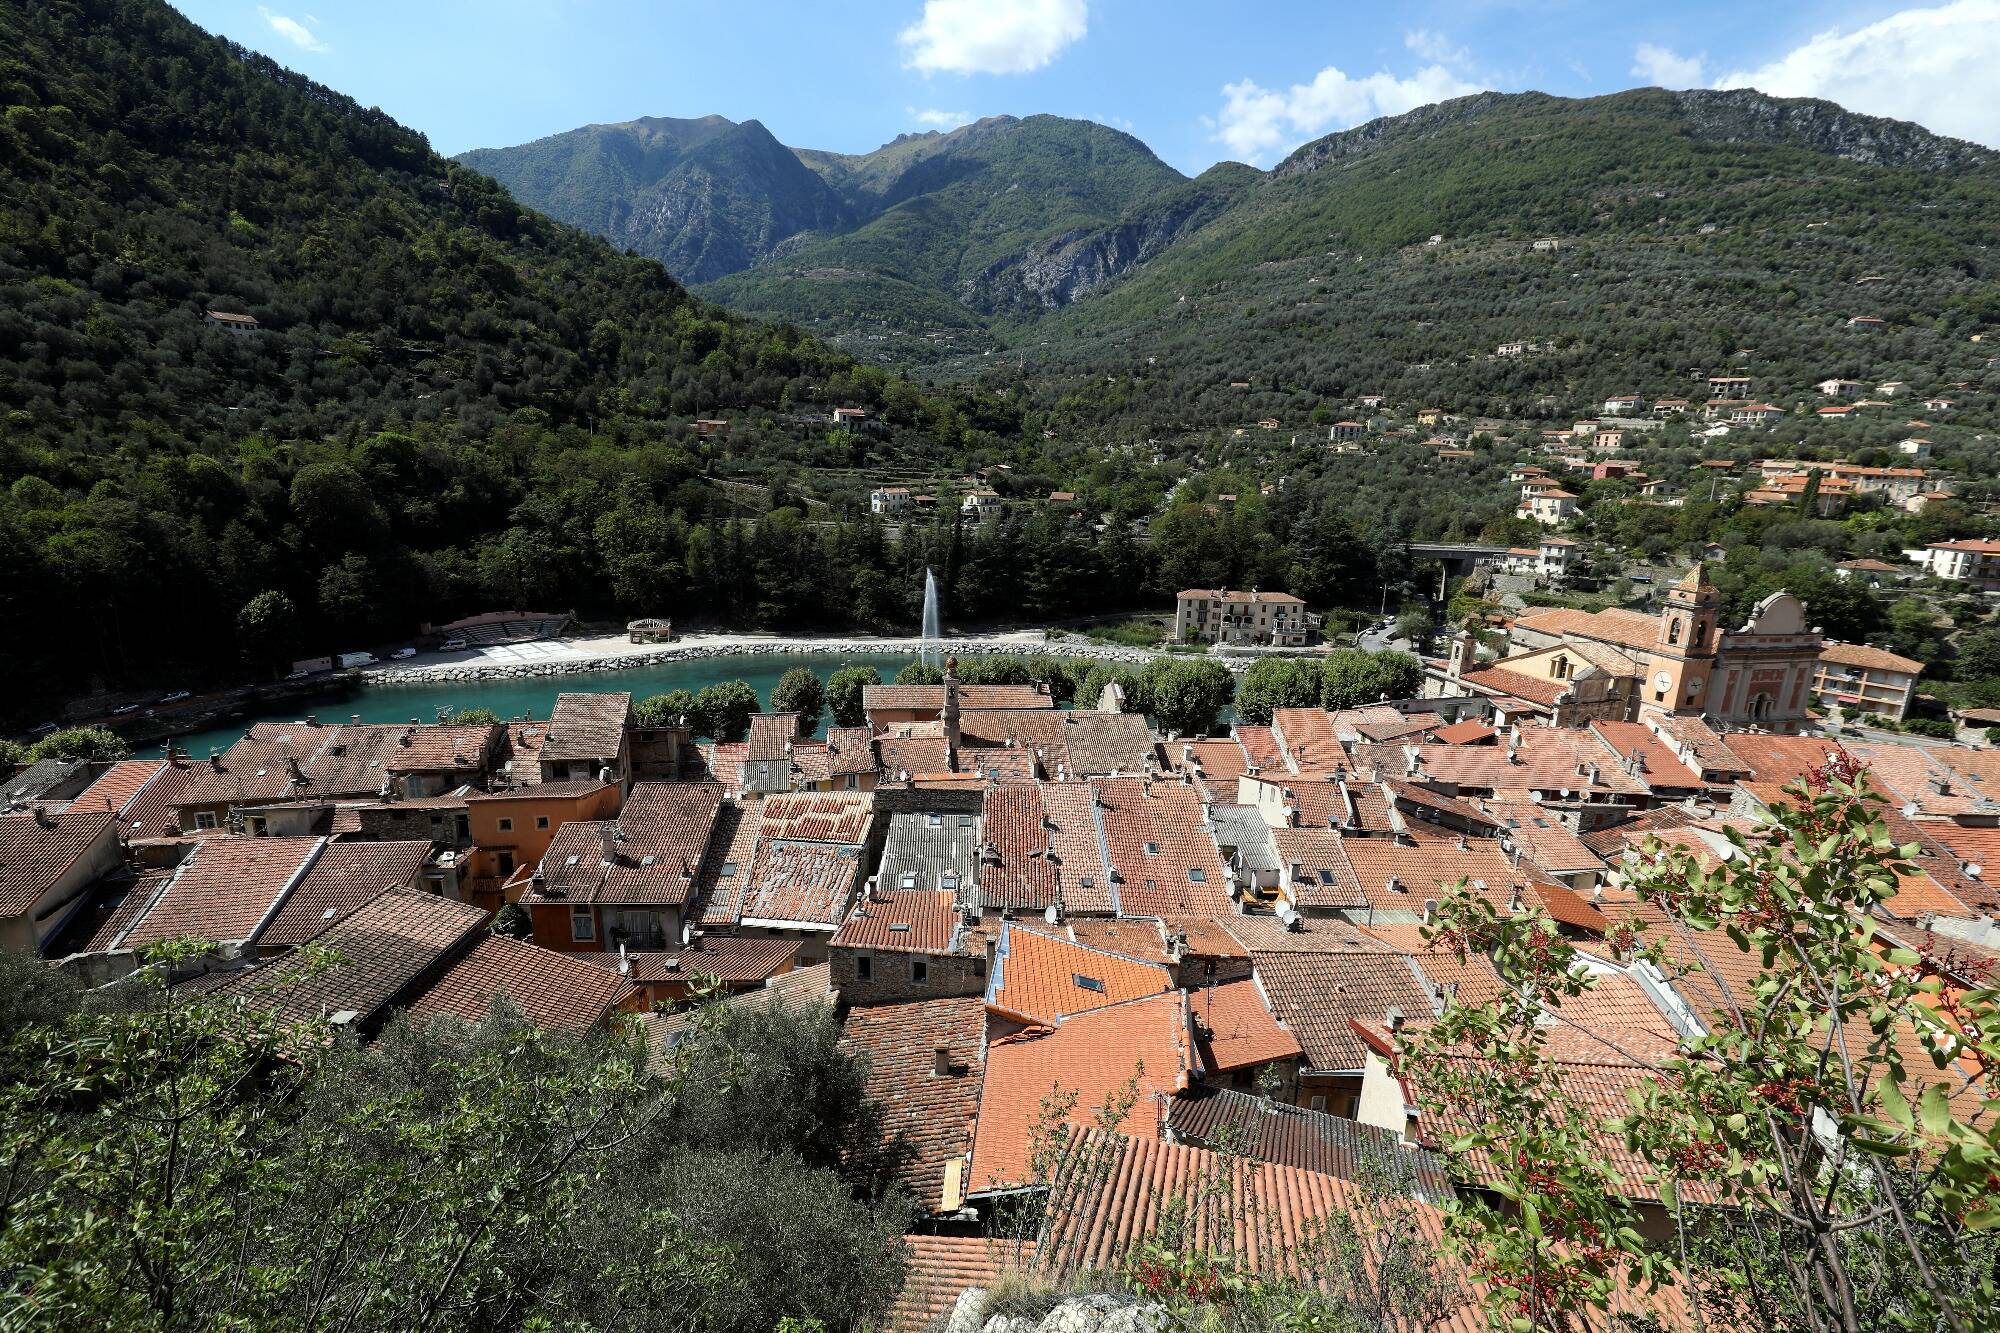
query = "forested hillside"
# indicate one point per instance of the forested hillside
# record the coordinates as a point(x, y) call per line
point(704, 197)
point(453, 402)
point(893, 245)
point(1695, 231)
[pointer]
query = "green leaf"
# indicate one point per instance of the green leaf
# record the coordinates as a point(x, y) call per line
point(1896, 1107)
point(1934, 1109)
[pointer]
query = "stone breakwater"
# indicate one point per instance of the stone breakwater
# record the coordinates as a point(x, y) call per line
point(490, 670)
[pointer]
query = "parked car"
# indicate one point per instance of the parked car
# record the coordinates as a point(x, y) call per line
point(300, 674)
point(122, 709)
point(452, 646)
point(404, 651)
point(173, 698)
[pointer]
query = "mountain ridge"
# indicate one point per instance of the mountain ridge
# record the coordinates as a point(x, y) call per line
point(933, 258)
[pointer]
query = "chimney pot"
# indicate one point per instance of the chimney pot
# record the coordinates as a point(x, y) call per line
point(941, 1061)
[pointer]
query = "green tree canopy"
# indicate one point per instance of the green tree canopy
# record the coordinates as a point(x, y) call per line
point(1277, 682)
point(723, 710)
point(1352, 677)
point(799, 691)
point(1187, 695)
point(844, 694)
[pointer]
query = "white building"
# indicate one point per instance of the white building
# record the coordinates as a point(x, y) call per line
point(888, 501)
point(240, 326)
point(1225, 615)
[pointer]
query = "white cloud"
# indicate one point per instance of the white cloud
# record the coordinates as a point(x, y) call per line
point(1435, 46)
point(939, 120)
point(1658, 65)
point(991, 36)
point(1934, 66)
point(293, 31)
point(1115, 122)
point(1255, 121)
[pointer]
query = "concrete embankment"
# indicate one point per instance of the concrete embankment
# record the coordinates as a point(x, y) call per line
point(585, 664)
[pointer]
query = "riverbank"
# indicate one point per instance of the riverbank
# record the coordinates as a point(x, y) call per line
point(577, 657)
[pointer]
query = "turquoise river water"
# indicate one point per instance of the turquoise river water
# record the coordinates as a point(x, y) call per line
point(536, 695)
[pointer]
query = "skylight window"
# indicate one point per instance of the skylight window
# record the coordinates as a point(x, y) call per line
point(1087, 983)
point(907, 882)
point(899, 927)
point(728, 870)
point(1196, 875)
point(1152, 849)
point(950, 881)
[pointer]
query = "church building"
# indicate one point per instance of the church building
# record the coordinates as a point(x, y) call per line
point(1574, 667)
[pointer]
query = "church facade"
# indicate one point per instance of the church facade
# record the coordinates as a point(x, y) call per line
point(1574, 667)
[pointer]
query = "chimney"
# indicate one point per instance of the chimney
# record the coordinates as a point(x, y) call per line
point(1393, 1020)
point(950, 714)
point(1514, 904)
point(941, 1061)
point(1430, 909)
point(214, 759)
point(607, 841)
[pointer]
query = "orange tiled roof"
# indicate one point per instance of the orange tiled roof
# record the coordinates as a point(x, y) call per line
point(1140, 939)
point(1042, 844)
point(224, 890)
point(910, 920)
point(1235, 1029)
point(819, 816)
point(927, 1116)
point(1614, 625)
point(1260, 746)
point(1166, 861)
point(552, 990)
point(1317, 994)
point(1307, 737)
point(384, 947)
point(1139, 1048)
point(942, 1267)
point(795, 884)
point(586, 726)
point(116, 786)
point(1040, 978)
point(346, 876)
point(35, 851)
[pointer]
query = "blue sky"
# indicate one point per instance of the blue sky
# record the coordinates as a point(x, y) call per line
point(1200, 81)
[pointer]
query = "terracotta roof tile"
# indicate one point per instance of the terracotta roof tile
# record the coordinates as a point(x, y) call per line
point(552, 990)
point(658, 846)
point(1307, 737)
point(801, 884)
point(1316, 994)
point(584, 727)
point(116, 786)
point(1166, 861)
point(1267, 1131)
point(729, 959)
point(940, 1268)
point(1038, 977)
point(818, 816)
point(1139, 939)
point(1316, 862)
point(1075, 744)
point(1260, 747)
point(224, 890)
point(1042, 843)
point(36, 851)
point(384, 949)
point(928, 1116)
point(1141, 1046)
point(1235, 1029)
point(916, 920)
point(346, 876)
point(726, 872)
